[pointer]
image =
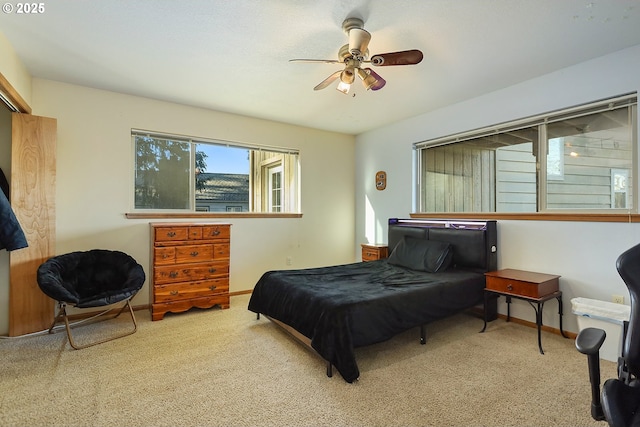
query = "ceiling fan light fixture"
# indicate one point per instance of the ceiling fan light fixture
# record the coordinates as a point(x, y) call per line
point(343, 87)
point(367, 79)
point(379, 83)
point(347, 76)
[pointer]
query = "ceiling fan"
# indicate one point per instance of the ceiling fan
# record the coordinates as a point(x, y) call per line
point(356, 53)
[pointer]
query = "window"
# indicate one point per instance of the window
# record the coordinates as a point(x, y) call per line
point(176, 173)
point(275, 189)
point(589, 164)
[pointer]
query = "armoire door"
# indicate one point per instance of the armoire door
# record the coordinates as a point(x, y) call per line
point(33, 192)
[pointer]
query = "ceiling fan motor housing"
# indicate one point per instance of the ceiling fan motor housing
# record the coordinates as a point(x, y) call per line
point(350, 23)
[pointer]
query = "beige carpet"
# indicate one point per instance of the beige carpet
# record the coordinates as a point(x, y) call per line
point(225, 368)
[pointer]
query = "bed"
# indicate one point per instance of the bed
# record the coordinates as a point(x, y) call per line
point(435, 269)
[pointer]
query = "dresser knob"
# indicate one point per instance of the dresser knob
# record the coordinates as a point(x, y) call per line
point(194, 253)
point(216, 232)
point(174, 293)
point(213, 287)
point(173, 274)
point(509, 287)
point(212, 270)
point(171, 234)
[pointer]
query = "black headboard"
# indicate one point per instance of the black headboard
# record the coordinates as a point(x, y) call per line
point(474, 242)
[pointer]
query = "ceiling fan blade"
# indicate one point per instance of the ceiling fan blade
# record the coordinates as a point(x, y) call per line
point(326, 82)
point(405, 57)
point(325, 61)
point(358, 41)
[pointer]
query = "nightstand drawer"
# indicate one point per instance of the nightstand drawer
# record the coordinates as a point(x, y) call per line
point(524, 283)
point(374, 252)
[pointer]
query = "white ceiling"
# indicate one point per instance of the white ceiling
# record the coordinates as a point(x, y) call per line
point(232, 55)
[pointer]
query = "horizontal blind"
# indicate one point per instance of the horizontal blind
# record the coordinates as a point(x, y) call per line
point(564, 114)
point(183, 138)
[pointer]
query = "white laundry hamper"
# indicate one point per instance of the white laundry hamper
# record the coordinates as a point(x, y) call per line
point(609, 316)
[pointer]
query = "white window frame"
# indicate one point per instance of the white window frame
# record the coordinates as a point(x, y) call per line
point(272, 171)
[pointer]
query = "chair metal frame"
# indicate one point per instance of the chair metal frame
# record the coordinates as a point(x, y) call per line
point(62, 315)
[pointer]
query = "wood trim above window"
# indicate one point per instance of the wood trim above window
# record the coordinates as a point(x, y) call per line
point(207, 215)
point(533, 216)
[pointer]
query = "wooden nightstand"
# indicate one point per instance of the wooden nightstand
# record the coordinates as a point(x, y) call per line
point(372, 252)
point(535, 288)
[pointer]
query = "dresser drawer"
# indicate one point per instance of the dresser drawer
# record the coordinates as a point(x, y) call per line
point(216, 232)
point(181, 291)
point(189, 272)
point(524, 288)
point(221, 250)
point(171, 233)
point(193, 253)
point(195, 233)
point(164, 255)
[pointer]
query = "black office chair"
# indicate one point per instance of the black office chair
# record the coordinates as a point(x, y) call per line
point(90, 279)
point(619, 402)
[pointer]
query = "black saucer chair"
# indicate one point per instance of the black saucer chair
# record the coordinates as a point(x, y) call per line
point(619, 402)
point(91, 279)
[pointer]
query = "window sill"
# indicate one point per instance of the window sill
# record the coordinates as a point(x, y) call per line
point(207, 215)
point(535, 216)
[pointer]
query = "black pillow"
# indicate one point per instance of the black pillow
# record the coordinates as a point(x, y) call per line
point(422, 255)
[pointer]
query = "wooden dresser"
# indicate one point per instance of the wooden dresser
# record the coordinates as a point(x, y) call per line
point(190, 267)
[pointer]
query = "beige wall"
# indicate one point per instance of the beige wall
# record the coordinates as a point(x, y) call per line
point(13, 70)
point(95, 178)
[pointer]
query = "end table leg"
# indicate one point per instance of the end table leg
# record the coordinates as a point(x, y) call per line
point(559, 298)
point(538, 308)
point(539, 322)
point(484, 309)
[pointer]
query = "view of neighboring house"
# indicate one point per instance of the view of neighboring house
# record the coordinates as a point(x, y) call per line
point(222, 192)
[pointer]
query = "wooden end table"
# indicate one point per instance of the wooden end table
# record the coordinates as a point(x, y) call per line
point(535, 288)
point(374, 251)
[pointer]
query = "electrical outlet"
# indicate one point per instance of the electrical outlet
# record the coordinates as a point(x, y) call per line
point(289, 260)
point(618, 299)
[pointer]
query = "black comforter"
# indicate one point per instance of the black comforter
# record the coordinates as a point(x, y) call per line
point(343, 307)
